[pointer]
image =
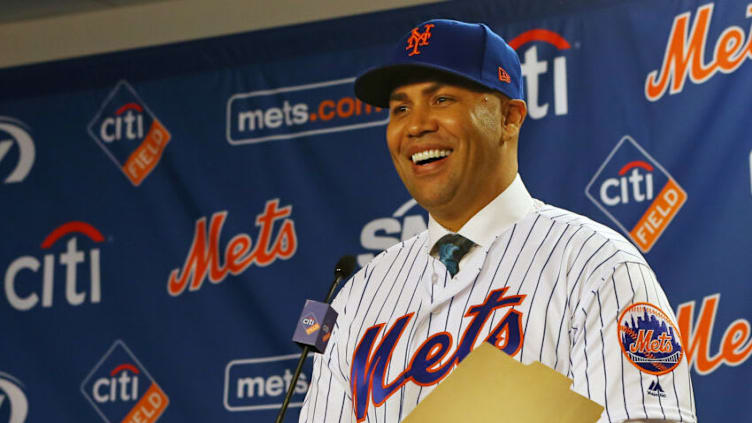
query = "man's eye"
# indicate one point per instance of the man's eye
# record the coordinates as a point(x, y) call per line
point(442, 99)
point(399, 109)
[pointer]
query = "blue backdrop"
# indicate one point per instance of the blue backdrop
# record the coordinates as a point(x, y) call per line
point(166, 211)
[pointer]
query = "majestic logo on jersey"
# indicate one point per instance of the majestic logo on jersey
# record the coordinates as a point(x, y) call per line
point(418, 39)
point(685, 53)
point(636, 192)
point(121, 389)
point(13, 402)
point(538, 80)
point(428, 365)
point(649, 339)
point(204, 256)
point(23, 273)
point(129, 133)
point(656, 390)
point(14, 132)
point(734, 348)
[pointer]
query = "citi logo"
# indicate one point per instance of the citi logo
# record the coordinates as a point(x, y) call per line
point(121, 385)
point(535, 71)
point(129, 133)
point(29, 277)
point(13, 401)
point(684, 55)
point(298, 111)
point(128, 124)
point(379, 234)
point(636, 193)
point(121, 389)
point(15, 133)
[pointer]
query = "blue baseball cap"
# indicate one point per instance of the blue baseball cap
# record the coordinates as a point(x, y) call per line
point(469, 51)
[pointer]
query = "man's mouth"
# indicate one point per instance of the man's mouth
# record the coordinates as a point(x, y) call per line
point(429, 156)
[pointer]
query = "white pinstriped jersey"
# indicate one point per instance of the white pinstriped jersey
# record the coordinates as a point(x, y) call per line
point(549, 287)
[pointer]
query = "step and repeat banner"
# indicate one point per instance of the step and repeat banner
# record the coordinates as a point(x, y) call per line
point(166, 211)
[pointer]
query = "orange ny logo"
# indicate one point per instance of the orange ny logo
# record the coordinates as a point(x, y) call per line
point(417, 39)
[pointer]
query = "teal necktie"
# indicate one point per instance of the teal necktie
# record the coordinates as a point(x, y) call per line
point(451, 248)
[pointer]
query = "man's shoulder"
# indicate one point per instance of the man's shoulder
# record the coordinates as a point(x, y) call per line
point(587, 233)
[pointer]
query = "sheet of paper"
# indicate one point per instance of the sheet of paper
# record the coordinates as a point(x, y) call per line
point(490, 386)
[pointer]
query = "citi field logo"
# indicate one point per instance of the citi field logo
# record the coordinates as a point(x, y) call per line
point(298, 111)
point(636, 193)
point(203, 258)
point(121, 389)
point(15, 133)
point(129, 133)
point(261, 383)
point(734, 348)
point(684, 55)
point(535, 71)
point(13, 401)
point(29, 277)
point(379, 234)
point(310, 324)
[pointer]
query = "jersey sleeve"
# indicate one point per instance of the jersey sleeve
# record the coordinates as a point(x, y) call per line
point(626, 352)
point(328, 398)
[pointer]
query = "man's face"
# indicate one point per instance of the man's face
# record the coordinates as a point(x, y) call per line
point(446, 144)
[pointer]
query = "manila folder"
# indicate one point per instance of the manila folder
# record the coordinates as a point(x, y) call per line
point(490, 386)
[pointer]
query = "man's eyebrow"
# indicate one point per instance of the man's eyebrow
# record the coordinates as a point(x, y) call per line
point(399, 96)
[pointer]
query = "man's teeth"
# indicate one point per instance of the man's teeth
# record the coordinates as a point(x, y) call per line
point(430, 154)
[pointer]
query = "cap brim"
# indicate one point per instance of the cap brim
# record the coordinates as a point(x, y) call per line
point(375, 86)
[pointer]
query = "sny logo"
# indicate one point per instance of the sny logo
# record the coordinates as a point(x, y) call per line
point(71, 258)
point(375, 234)
point(129, 133)
point(13, 399)
point(19, 135)
point(534, 69)
point(417, 39)
point(121, 389)
point(636, 192)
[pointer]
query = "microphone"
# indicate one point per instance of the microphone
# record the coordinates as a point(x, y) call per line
point(315, 326)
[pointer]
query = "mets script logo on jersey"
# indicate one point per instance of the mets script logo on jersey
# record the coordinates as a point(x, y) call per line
point(685, 52)
point(418, 39)
point(430, 363)
point(121, 389)
point(649, 339)
point(298, 111)
point(129, 133)
point(204, 255)
point(29, 279)
point(538, 49)
point(13, 402)
point(15, 133)
point(734, 348)
point(636, 192)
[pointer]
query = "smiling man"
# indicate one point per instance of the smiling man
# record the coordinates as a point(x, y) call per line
point(495, 265)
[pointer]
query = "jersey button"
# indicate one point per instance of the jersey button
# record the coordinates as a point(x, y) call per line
point(434, 278)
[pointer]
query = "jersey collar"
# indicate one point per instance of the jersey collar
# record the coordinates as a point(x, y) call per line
point(502, 212)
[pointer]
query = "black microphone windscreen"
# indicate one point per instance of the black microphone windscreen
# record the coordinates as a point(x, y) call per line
point(345, 267)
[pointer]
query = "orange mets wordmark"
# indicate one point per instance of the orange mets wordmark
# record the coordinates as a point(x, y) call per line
point(418, 39)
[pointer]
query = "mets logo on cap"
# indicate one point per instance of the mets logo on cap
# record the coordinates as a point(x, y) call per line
point(129, 133)
point(636, 192)
point(649, 339)
point(121, 389)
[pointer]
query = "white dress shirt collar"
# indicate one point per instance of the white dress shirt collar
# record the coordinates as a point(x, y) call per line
point(492, 220)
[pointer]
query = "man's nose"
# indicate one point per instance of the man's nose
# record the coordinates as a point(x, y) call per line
point(421, 121)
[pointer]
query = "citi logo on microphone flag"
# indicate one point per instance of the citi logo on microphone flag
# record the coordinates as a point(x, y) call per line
point(636, 193)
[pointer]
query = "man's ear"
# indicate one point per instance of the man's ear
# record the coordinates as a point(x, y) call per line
point(514, 114)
